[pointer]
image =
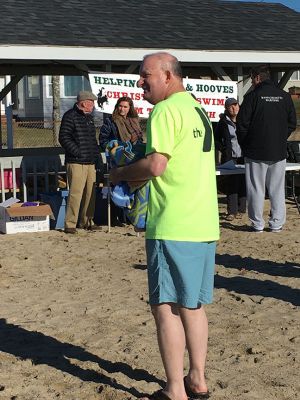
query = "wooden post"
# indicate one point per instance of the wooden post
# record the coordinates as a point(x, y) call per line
point(56, 108)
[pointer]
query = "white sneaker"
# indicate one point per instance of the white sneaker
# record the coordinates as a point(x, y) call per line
point(252, 229)
point(275, 230)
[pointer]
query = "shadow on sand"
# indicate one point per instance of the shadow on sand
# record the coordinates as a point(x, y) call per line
point(255, 287)
point(43, 349)
point(289, 270)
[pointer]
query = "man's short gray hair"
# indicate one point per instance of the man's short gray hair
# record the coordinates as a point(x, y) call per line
point(168, 62)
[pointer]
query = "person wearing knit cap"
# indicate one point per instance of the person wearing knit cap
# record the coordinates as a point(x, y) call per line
point(227, 144)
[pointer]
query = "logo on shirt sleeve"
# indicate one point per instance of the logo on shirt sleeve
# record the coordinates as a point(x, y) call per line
point(207, 142)
point(197, 133)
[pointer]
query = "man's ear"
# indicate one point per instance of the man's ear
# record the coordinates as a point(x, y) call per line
point(258, 79)
point(168, 76)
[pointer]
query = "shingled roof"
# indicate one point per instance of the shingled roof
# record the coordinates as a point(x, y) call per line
point(185, 24)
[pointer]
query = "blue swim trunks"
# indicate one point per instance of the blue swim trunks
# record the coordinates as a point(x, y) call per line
point(180, 272)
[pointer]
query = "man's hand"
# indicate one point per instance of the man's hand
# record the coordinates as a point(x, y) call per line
point(151, 166)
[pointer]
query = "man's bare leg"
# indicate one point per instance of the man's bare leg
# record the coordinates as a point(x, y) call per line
point(196, 334)
point(171, 341)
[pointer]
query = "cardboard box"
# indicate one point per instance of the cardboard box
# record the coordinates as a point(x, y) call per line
point(14, 218)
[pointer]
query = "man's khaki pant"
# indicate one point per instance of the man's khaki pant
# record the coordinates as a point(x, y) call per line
point(81, 180)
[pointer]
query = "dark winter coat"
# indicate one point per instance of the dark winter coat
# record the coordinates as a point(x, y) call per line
point(77, 136)
point(266, 119)
point(223, 139)
point(108, 132)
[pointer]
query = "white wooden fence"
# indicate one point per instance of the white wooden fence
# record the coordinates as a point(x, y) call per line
point(26, 166)
point(17, 171)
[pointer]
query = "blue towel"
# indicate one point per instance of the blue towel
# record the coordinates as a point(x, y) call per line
point(134, 202)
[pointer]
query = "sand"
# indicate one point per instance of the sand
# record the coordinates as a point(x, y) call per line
point(75, 323)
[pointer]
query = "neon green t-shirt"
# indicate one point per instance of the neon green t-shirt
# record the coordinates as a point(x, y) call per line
point(183, 201)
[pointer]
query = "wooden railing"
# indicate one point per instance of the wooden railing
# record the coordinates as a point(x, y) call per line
point(26, 172)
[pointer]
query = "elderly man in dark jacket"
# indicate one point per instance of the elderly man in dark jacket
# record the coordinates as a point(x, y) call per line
point(266, 119)
point(78, 138)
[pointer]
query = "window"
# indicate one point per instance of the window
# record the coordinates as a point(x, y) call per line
point(20, 93)
point(33, 87)
point(49, 91)
point(295, 76)
point(73, 85)
point(69, 85)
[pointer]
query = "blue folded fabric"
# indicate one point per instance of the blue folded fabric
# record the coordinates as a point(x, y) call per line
point(137, 213)
point(29, 204)
point(135, 203)
point(121, 195)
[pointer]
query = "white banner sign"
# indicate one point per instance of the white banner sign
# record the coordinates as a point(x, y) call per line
point(109, 87)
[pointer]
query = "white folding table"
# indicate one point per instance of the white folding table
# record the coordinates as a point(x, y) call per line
point(240, 169)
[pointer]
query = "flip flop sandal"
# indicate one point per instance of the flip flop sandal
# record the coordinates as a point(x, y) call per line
point(194, 395)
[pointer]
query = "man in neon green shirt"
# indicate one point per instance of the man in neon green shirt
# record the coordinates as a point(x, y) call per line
point(182, 222)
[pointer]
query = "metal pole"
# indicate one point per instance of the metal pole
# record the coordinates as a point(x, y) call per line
point(1, 141)
point(10, 136)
